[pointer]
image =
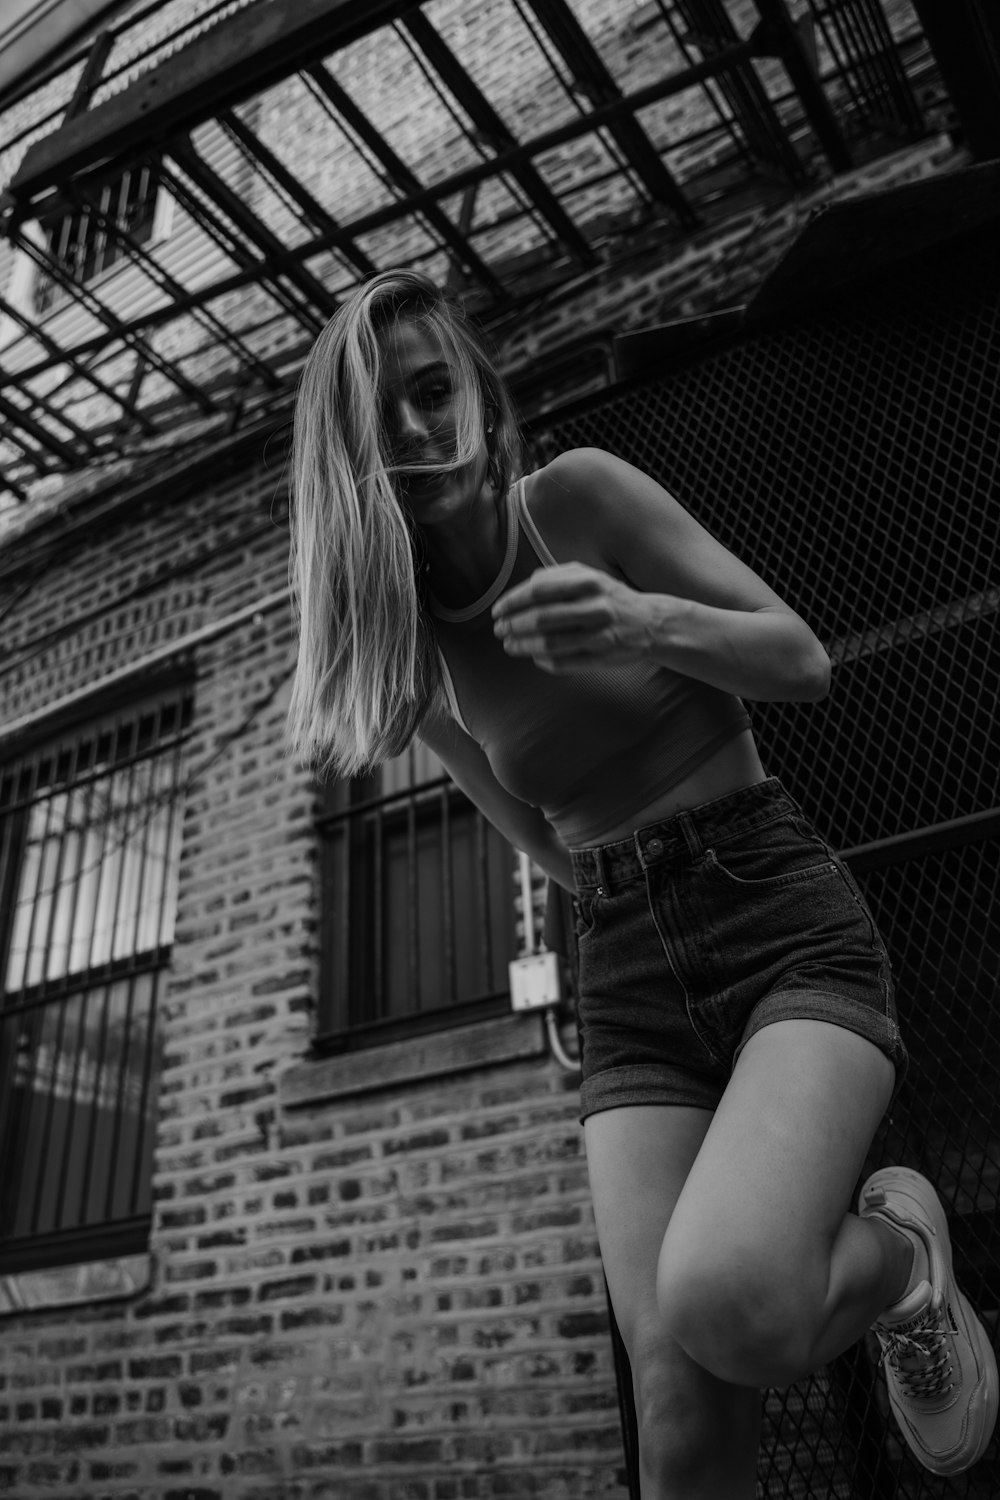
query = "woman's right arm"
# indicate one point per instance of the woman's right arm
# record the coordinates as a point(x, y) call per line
point(524, 826)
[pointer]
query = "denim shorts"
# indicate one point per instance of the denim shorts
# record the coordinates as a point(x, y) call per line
point(696, 932)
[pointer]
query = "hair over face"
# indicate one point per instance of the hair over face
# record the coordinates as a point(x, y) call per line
point(368, 667)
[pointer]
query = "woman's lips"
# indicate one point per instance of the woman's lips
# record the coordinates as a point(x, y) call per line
point(426, 479)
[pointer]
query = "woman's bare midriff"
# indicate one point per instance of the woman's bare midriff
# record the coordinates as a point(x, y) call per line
point(734, 765)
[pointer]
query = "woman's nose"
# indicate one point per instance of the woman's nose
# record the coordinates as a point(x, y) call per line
point(410, 421)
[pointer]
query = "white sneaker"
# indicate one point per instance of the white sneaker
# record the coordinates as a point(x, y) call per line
point(939, 1365)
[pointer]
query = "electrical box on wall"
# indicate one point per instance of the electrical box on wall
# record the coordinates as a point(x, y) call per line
point(535, 981)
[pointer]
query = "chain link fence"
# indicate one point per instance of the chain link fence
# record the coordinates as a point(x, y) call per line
point(851, 458)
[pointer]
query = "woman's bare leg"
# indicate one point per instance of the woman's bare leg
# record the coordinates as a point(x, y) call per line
point(698, 1434)
point(764, 1275)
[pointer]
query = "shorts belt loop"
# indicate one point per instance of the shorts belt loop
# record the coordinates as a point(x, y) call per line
point(689, 829)
point(603, 883)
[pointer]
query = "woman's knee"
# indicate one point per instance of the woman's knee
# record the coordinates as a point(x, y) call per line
point(692, 1426)
point(737, 1313)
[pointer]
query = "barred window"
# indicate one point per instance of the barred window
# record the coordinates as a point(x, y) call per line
point(80, 239)
point(89, 850)
point(418, 922)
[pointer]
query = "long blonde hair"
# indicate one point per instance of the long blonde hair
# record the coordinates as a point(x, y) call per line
point(368, 667)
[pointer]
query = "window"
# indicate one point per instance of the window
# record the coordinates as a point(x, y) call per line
point(89, 850)
point(79, 239)
point(418, 905)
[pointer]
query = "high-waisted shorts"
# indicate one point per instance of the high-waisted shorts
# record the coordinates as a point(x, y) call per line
point(697, 932)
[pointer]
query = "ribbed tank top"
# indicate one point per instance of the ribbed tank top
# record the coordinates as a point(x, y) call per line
point(590, 748)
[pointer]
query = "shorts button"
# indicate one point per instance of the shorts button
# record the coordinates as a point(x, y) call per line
point(655, 846)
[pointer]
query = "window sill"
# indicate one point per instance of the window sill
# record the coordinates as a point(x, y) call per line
point(111, 1280)
point(507, 1038)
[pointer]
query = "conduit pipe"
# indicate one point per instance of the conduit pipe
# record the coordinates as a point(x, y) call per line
point(558, 1051)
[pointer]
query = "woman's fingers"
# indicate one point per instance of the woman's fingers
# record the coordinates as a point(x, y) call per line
point(569, 617)
point(567, 581)
point(554, 608)
point(589, 614)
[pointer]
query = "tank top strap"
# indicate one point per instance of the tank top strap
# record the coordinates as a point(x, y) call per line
point(531, 532)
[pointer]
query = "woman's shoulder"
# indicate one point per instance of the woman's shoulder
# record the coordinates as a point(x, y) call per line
point(576, 471)
point(572, 499)
point(571, 487)
point(567, 503)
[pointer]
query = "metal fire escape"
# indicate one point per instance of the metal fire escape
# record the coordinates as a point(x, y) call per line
point(508, 210)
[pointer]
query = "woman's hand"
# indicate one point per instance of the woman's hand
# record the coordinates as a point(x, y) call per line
point(572, 616)
point(665, 591)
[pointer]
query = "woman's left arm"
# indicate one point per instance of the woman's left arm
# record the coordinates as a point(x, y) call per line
point(667, 591)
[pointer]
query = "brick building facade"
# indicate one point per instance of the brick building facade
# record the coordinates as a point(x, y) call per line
point(370, 1274)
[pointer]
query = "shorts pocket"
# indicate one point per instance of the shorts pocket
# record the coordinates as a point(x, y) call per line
point(781, 852)
point(585, 908)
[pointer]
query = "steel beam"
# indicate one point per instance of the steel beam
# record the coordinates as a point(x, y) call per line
point(756, 127)
point(59, 356)
point(41, 462)
point(262, 274)
point(118, 329)
point(164, 282)
point(238, 57)
point(146, 323)
point(778, 36)
point(591, 74)
point(965, 38)
point(274, 167)
point(90, 76)
point(921, 843)
point(15, 489)
point(42, 435)
point(492, 128)
point(399, 173)
point(247, 222)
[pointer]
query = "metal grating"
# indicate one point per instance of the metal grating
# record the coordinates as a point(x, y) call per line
point(852, 458)
point(855, 462)
point(507, 179)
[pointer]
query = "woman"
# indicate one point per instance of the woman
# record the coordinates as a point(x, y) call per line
point(575, 648)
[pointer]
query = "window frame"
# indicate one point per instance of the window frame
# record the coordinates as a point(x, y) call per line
point(349, 888)
point(155, 225)
point(68, 1003)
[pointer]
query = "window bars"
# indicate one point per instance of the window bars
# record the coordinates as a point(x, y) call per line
point(418, 908)
point(78, 237)
point(89, 850)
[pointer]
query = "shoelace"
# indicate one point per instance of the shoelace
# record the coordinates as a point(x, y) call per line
point(924, 1346)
